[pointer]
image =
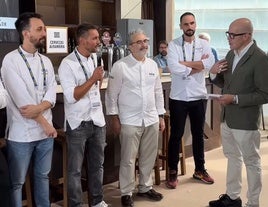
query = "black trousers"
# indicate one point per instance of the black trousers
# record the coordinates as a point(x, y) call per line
point(179, 110)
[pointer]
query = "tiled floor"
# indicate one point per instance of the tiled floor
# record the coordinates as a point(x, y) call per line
point(192, 193)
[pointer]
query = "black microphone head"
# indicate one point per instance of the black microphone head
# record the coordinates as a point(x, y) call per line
point(99, 55)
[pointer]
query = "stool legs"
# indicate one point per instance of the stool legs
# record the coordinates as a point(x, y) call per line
point(61, 139)
point(164, 154)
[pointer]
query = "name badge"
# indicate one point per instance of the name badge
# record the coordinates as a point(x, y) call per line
point(95, 97)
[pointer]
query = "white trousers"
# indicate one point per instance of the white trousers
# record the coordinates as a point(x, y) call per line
point(242, 146)
point(142, 142)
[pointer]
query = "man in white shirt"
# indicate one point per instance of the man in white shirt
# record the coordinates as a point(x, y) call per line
point(134, 99)
point(81, 77)
point(30, 82)
point(189, 59)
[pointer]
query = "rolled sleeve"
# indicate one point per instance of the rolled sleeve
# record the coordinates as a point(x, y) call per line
point(67, 81)
point(173, 59)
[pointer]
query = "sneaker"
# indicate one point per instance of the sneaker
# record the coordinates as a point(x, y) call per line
point(127, 201)
point(203, 176)
point(225, 201)
point(152, 195)
point(101, 204)
point(249, 205)
point(172, 180)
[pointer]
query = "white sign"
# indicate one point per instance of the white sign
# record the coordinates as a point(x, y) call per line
point(57, 40)
point(7, 22)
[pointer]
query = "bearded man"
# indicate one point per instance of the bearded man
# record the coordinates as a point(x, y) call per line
point(189, 59)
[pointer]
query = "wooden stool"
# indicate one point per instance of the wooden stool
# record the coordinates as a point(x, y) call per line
point(164, 152)
point(61, 139)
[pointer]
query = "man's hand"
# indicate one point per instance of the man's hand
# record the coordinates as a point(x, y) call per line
point(98, 74)
point(219, 67)
point(204, 56)
point(226, 99)
point(162, 125)
point(50, 131)
point(30, 111)
point(116, 125)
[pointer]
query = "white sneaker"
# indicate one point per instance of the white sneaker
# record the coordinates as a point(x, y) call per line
point(248, 205)
point(101, 204)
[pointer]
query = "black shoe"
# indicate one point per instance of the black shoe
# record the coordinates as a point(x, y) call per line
point(151, 194)
point(127, 201)
point(225, 201)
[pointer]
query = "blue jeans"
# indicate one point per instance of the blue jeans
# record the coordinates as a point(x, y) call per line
point(93, 138)
point(19, 158)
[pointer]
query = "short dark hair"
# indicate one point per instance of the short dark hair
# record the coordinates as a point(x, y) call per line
point(82, 29)
point(23, 22)
point(186, 14)
point(162, 42)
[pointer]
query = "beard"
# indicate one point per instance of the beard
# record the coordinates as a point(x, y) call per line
point(38, 43)
point(163, 53)
point(141, 53)
point(189, 32)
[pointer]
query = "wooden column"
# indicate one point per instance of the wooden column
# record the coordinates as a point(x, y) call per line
point(160, 20)
point(71, 11)
point(26, 7)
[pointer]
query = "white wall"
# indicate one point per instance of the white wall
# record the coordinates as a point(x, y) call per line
point(131, 9)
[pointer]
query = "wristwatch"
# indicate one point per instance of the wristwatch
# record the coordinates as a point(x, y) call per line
point(161, 115)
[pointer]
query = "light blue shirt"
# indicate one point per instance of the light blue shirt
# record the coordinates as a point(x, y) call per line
point(161, 62)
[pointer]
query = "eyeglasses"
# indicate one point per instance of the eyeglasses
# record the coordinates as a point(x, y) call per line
point(140, 42)
point(233, 35)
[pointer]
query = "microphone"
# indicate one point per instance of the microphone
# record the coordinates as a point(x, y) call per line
point(99, 56)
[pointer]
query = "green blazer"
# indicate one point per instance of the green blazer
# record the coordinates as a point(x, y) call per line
point(249, 82)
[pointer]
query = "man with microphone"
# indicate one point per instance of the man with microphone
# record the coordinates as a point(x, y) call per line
point(81, 75)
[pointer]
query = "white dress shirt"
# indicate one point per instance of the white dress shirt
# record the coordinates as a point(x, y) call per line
point(21, 90)
point(3, 96)
point(72, 75)
point(187, 87)
point(135, 92)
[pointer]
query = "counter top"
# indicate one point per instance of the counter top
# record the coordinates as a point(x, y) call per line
point(164, 79)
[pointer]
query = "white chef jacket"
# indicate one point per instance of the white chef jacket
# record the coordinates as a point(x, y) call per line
point(135, 92)
point(21, 92)
point(187, 87)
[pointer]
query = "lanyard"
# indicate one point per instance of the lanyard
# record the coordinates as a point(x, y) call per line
point(81, 64)
point(183, 49)
point(31, 72)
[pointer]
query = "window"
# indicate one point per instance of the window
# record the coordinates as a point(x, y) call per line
point(214, 18)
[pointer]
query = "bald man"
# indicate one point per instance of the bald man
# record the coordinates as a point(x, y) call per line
point(243, 79)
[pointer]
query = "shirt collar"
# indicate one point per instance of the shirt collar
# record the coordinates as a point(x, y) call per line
point(27, 54)
point(82, 57)
point(133, 58)
point(244, 50)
